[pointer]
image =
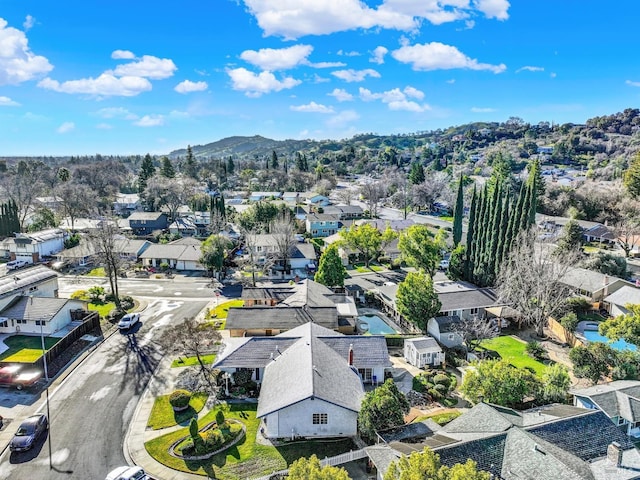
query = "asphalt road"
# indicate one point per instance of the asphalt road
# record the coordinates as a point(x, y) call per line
point(92, 408)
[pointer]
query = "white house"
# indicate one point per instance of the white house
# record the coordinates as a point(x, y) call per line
point(423, 351)
point(37, 281)
point(126, 203)
point(445, 330)
point(302, 256)
point(29, 314)
point(616, 303)
point(32, 247)
point(177, 255)
point(311, 378)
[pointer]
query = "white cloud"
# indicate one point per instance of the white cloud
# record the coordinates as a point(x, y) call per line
point(341, 95)
point(553, 74)
point(318, 79)
point(28, 23)
point(150, 121)
point(494, 8)
point(482, 109)
point(277, 58)
point(327, 64)
point(529, 68)
point(7, 102)
point(343, 118)
point(631, 83)
point(122, 55)
point(352, 53)
point(352, 75)
point(378, 55)
point(148, 67)
point(397, 99)
point(17, 62)
point(438, 56)
point(188, 86)
point(66, 127)
point(451, 81)
point(255, 85)
point(105, 85)
point(116, 112)
point(104, 126)
point(296, 18)
point(312, 107)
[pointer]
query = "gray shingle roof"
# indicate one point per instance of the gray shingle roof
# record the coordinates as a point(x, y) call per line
point(583, 279)
point(309, 369)
point(279, 318)
point(626, 294)
point(481, 419)
point(465, 299)
point(18, 280)
point(613, 398)
point(33, 308)
point(424, 344)
point(135, 216)
point(173, 252)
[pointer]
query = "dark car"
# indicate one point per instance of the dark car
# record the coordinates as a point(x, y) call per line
point(28, 432)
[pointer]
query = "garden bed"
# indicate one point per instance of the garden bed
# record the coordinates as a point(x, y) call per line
point(163, 416)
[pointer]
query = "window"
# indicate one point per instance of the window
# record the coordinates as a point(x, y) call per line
point(621, 421)
point(4, 323)
point(365, 374)
point(20, 320)
point(474, 311)
point(41, 323)
point(33, 289)
point(320, 419)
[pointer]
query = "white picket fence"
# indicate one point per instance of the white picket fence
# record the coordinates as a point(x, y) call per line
point(333, 461)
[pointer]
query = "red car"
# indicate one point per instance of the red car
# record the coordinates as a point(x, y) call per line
point(12, 376)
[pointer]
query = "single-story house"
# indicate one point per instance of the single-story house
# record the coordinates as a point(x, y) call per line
point(345, 212)
point(31, 314)
point(446, 330)
point(291, 198)
point(423, 352)
point(543, 443)
point(311, 378)
point(593, 285)
point(32, 247)
point(318, 200)
point(175, 255)
point(145, 223)
point(619, 400)
point(37, 281)
point(259, 196)
point(616, 303)
point(85, 253)
point(599, 234)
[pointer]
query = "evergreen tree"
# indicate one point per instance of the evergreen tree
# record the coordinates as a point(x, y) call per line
point(274, 160)
point(458, 213)
point(190, 167)
point(416, 174)
point(471, 231)
point(477, 238)
point(331, 272)
point(167, 170)
point(514, 222)
point(632, 177)
point(305, 163)
point(501, 251)
point(147, 170)
point(299, 162)
point(230, 166)
point(535, 177)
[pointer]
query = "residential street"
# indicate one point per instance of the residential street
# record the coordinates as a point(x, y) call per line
point(91, 410)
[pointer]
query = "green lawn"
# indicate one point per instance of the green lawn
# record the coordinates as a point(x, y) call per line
point(24, 349)
point(513, 351)
point(245, 459)
point(102, 308)
point(219, 314)
point(191, 361)
point(362, 269)
point(163, 416)
point(97, 272)
point(439, 418)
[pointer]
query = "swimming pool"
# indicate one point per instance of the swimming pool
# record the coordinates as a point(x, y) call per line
point(594, 336)
point(375, 325)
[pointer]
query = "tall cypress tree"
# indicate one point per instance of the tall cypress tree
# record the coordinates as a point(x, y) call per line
point(514, 222)
point(230, 166)
point(524, 214)
point(471, 231)
point(458, 213)
point(502, 233)
point(487, 232)
point(478, 239)
point(274, 160)
point(147, 170)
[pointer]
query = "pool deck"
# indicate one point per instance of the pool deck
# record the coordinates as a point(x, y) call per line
point(586, 325)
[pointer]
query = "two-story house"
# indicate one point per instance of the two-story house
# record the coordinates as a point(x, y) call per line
point(345, 212)
point(145, 223)
point(322, 225)
point(33, 247)
point(126, 203)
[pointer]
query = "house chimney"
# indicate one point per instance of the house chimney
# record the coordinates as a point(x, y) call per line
point(605, 284)
point(614, 454)
point(351, 354)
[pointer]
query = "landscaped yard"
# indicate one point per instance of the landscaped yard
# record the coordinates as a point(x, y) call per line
point(163, 416)
point(439, 418)
point(24, 349)
point(219, 314)
point(102, 308)
point(191, 361)
point(97, 272)
point(359, 267)
point(513, 350)
point(591, 317)
point(247, 458)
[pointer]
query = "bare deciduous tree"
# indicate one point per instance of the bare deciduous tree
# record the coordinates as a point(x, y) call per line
point(22, 185)
point(373, 192)
point(529, 280)
point(425, 194)
point(283, 231)
point(105, 239)
point(170, 192)
point(76, 200)
point(475, 329)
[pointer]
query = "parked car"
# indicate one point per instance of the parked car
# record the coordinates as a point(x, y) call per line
point(444, 264)
point(128, 321)
point(127, 473)
point(16, 264)
point(28, 432)
point(13, 376)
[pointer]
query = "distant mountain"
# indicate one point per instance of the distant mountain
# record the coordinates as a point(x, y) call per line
point(245, 147)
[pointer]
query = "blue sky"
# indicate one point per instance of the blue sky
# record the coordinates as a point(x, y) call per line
point(130, 77)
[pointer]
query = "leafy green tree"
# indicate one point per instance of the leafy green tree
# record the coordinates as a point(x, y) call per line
point(593, 361)
point(417, 300)
point(382, 408)
point(167, 170)
point(214, 251)
point(623, 327)
point(571, 238)
point(569, 321)
point(231, 167)
point(425, 465)
point(556, 382)
point(457, 262)
point(608, 264)
point(458, 214)
point(331, 272)
point(632, 177)
point(420, 248)
point(96, 294)
point(364, 239)
point(63, 174)
point(497, 381)
point(310, 469)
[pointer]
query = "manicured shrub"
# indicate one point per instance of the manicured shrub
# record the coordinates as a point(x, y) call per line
point(80, 295)
point(213, 439)
point(535, 349)
point(219, 418)
point(442, 389)
point(442, 379)
point(193, 428)
point(242, 377)
point(180, 399)
point(435, 394)
point(126, 302)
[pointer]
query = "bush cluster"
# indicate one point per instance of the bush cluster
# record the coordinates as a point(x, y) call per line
point(180, 398)
point(435, 383)
point(536, 350)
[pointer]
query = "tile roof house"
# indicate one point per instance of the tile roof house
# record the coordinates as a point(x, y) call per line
point(545, 443)
point(272, 310)
point(616, 303)
point(619, 400)
point(311, 378)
